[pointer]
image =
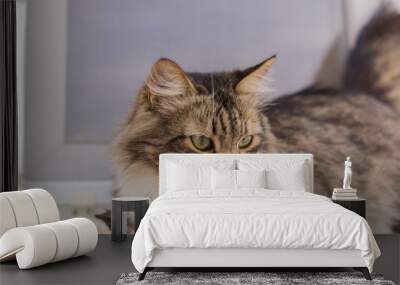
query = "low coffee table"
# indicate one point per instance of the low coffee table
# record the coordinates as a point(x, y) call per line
point(119, 214)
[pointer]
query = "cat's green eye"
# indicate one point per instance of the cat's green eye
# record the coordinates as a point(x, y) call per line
point(245, 141)
point(201, 142)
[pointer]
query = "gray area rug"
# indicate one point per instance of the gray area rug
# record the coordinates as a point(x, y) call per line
point(273, 278)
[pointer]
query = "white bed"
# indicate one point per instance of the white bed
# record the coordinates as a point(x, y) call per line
point(248, 227)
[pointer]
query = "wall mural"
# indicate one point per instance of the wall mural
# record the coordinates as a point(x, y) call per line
point(173, 109)
point(230, 112)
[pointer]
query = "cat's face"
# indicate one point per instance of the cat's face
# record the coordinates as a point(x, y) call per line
point(215, 119)
point(208, 126)
point(196, 113)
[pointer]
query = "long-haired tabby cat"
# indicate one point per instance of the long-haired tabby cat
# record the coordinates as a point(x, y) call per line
point(225, 112)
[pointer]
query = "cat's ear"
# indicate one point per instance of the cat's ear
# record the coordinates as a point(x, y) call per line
point(255, 79)
point(168, 79)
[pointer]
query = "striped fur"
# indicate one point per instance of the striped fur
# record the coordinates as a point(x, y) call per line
point(362, 121)
point(163, 121)
point(374, 63)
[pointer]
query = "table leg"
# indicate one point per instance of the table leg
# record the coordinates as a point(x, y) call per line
point(140, 211)
point(116, 221)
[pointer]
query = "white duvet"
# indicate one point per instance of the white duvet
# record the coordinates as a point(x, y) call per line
point(250, 219)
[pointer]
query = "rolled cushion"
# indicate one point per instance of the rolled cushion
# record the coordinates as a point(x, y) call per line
point(7, 220)
point(23, 208)
point(45, 205)
point(40, 244)
point(33, 246)
point(67, 239)
point(87, 234)
point(26, 208)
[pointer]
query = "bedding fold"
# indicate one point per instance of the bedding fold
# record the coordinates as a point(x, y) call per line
point(251, 218)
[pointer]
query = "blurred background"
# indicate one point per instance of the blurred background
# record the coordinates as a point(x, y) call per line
point(81, 62)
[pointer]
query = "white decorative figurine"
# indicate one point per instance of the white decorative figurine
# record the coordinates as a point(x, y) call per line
point(347, 174)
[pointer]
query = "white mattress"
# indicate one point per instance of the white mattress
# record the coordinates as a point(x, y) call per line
point(255, 218)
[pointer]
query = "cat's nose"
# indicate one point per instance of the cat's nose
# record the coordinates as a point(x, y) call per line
point(227, 148)
point(231, 150)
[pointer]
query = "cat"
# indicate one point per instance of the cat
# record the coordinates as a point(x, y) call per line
point(230, 112)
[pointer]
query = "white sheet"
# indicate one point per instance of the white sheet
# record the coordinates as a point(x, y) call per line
point(251, 218)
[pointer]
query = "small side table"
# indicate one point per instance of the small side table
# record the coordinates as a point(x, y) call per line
point(119, 220)
point(357, 205)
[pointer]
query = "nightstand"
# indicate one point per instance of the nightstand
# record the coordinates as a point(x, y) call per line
point(120, 208)
point(357, 205)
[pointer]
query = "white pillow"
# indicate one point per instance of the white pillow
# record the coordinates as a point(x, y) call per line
point(227, 179)
point(251, 178)
point(223, 179)
point(281, 174)
point(292, 179)
point(181, 177)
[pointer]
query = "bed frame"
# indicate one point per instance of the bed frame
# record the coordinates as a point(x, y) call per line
point(246, 258)
point(243, 259)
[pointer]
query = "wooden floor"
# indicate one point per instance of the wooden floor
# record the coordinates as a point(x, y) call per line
point(102, 266)
point(110, 260)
